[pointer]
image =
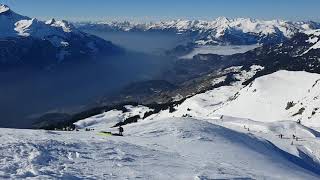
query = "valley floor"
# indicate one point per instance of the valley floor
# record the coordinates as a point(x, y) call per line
point(170, 148)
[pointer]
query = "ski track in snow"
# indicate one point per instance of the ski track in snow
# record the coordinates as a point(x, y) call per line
point(179, 148)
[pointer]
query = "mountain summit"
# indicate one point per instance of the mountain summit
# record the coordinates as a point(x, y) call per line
point(27, 41)
point(4, 8)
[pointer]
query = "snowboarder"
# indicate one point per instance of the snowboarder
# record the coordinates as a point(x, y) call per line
point(293, 136)
point(120, 130)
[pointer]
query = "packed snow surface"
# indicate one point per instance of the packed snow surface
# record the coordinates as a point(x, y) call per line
point(283, 95)
point(171, 148)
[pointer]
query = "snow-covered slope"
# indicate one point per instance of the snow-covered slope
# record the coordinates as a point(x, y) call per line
point(110, 118)
point(179, 148)
point(314, 39)
point(282, 95)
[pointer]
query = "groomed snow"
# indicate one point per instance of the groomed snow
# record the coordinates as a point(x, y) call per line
point(267, 97)
point(172, 148)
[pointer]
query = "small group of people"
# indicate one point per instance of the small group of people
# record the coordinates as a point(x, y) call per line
point(294, 137)
point(89, 129)
point(247, 128)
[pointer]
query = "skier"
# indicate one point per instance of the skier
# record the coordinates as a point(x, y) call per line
point(281, 136)
point(120, 130)
point(299, 121)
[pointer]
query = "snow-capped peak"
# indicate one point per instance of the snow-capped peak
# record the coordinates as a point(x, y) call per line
point(60, 34)
point(4, 8)
point(51, 21)
point(66, 26)
point(17, 25)
point(221, 30)
point(222, 20)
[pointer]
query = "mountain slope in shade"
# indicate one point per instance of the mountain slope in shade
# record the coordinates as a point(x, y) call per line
point(28, 41)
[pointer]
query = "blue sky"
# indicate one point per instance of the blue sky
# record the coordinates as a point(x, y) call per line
point(151, 10)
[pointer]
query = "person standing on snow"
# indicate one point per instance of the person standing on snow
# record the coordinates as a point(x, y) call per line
point(120, 130)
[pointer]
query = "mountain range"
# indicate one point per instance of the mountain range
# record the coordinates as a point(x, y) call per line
point(219, 31)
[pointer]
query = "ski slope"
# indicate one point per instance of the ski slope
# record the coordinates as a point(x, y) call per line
point(266, 98)
point(171, 148)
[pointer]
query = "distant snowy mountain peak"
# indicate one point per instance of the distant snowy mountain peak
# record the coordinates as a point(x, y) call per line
point(14, 25)
point(4, 8)
point(219, 31)
point(65, 25)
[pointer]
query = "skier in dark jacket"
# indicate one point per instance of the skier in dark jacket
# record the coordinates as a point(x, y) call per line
point(280, 136)
point(120, 130)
